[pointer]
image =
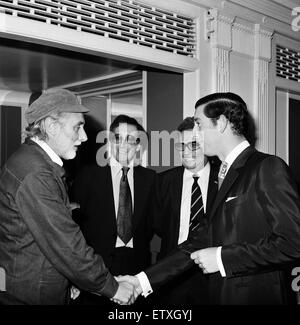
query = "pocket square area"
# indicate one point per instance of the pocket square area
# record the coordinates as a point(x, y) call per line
point(230, 198)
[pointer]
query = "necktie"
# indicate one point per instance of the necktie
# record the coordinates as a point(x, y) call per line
point(222, 173)
point(124, 216)
point(197, 217)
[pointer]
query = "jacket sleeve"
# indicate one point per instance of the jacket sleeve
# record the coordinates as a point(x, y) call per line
point(279, 205)
point(48, 218)
point(178, 261)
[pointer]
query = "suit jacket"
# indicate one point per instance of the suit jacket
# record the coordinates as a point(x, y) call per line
point(93, 190)
point(256, 220)
point(170, 185)
point(41, 247)
point(184, 290)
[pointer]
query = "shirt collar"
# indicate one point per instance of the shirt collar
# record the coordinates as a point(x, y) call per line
point(53, 156)
point(201, 173)
point(116, 167)
point(231, 157)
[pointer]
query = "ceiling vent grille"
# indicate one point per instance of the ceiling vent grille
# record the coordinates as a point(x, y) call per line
point(287, 63)
point(124, 20)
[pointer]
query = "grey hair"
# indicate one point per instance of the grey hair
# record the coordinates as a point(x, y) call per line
point(37, 129)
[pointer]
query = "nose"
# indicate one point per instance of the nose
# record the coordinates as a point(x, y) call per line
point(82, 135)
point(123, 144)
point(186, 150)
point(186, 153)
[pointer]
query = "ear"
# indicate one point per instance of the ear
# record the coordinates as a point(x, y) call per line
point(138, 148)
point(51, 126)
point(222, 123)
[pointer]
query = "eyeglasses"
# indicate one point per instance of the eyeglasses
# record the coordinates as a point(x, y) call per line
point(129, 139)
point(192, 146)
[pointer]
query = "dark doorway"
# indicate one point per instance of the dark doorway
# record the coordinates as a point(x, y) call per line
point(10, 131)
point(164, 108)
point(294, 147)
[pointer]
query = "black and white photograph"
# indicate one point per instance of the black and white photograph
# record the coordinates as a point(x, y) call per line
point(149, 158)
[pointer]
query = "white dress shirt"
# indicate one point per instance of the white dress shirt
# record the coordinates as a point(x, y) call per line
point(185, 212)
point(116, 174)
point(231, 157)
point(53, 156)
point(185, 207)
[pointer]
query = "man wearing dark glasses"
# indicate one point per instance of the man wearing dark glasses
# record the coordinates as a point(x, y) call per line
point(185, 197)
point(116, 203)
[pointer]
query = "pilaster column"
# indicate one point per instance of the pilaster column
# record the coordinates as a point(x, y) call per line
point(221, 43)
point(262, 57)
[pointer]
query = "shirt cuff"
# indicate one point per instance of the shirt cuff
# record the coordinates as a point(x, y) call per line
point(145, 284)
point(219, 261)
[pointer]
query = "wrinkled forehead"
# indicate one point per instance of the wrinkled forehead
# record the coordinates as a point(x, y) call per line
point(125, 129)
point(72, 118)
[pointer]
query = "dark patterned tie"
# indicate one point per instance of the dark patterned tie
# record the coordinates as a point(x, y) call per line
point(197, 216)
point(124, 216)
point(222, 173)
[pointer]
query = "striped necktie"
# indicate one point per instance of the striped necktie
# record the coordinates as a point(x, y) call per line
point(197, 216)
point(222, 173)
point(124, 216)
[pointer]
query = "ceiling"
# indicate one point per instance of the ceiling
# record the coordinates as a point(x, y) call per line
point(28, 67)
point(287, 3)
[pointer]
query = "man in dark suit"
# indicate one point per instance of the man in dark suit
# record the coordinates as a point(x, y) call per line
point(98, 190)
point(253, 235)
point(176, 207)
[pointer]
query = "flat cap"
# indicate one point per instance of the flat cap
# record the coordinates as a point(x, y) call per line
point(53, 100)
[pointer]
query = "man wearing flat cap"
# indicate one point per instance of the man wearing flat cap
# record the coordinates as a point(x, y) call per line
point(42, 249)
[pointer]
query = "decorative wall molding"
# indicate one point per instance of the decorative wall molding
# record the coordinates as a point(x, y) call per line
point(243, 38)
point(242, 28)
point(254, 41)
point(261, 109)
point(262, 57)
point(36, 32)
point(221, 44)
point(278, 11)
point(221, 26)
point(221, 75)
point(262, 39)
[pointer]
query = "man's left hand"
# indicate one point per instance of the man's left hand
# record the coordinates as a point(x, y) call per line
point(206, 259)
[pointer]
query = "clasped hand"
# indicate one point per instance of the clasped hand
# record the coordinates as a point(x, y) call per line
point(206, 259)
point(128, 291)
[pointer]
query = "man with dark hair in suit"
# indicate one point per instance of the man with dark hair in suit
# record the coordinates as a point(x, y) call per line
point(116, 203)
point(253, 234)
point(185, 192)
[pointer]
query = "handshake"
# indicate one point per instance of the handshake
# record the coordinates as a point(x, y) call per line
point(129, 289)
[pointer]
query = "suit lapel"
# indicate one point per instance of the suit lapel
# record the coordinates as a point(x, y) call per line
point(226, 185)
point(139, 194)
point(106, 178)
point(176, 194)
point(231, 177)
point(212, 187)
